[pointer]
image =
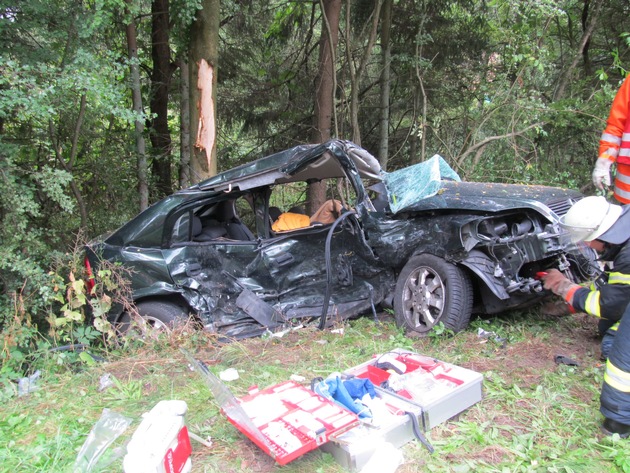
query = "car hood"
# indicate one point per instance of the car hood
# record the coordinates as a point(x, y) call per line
point(492, 197)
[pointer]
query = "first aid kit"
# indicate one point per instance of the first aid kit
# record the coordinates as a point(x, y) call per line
point(442, 390)
point(428, 392)
point(286, 420)
point(386, 401)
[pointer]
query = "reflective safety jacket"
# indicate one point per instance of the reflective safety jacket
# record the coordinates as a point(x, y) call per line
point(608, 297)
point(615, 395)
point(615, 141)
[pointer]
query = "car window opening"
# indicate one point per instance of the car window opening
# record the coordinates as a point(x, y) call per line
point(219, 221)
point(339, 194)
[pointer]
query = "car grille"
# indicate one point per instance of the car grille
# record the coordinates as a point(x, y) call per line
point(561, 207)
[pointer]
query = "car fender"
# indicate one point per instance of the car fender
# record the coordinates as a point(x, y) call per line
point(483, 267)
point(160, 290)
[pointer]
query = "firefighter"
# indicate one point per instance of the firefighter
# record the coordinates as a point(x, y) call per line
point(605, 227)
point(614, 399)
point(614, 147)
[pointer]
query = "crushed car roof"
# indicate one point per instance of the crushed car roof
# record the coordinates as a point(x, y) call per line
point(301, 163)
point(428, 185)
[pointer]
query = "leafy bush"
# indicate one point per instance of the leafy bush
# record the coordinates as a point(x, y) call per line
point(75, 318)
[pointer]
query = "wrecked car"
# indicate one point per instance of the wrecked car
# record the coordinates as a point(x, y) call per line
point(418, 240)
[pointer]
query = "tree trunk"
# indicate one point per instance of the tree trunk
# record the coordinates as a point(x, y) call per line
point(356, 74)
point(160, 83)
point(132, 46)
point(184, 154)
point(386, 53)
point(203, 59)
point(596, 8)
point(325, 90)
point(421, 94)
point(69, 165)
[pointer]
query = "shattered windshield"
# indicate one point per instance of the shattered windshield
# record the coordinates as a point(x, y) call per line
point(409, 185)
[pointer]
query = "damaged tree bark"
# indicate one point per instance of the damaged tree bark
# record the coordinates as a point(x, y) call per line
point(206, 126)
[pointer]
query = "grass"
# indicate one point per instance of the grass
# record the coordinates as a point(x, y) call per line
point(535, 416)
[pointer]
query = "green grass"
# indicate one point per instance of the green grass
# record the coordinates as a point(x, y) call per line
point(535, 416)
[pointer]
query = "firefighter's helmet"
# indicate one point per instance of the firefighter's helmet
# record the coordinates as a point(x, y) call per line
point(589, 218)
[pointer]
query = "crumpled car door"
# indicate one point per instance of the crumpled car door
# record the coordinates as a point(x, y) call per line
point(239, 287)
point(298, 263)
point(225, 282)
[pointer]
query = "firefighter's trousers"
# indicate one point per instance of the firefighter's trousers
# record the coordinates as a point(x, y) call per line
point(615, 395)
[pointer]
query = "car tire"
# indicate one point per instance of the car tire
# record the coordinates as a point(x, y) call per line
point(156, 317)
point(430, 290)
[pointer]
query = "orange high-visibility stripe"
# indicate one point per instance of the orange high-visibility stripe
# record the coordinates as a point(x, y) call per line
point(622, 183)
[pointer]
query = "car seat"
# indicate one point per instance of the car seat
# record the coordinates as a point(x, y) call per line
point(274, 213)
point(236, 230)
point(207, 231)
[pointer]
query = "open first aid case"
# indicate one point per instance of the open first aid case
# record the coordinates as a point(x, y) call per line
point(430, 389)
point(442, 390)
point(288, 420)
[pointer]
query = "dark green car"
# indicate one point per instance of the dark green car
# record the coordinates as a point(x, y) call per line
point(419, 240)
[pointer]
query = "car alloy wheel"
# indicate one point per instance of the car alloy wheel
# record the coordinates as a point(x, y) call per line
point(429, 291)
point(155, 317)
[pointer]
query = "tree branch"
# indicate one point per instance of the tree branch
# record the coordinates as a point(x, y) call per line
point(585, 38)
point(489, 139)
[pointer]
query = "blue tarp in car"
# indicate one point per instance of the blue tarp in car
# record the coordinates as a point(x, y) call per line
point(407, 186)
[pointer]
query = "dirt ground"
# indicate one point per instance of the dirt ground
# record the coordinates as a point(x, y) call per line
point(521, 362)
point(520, 359)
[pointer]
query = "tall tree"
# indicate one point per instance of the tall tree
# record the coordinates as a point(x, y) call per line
point(184, 124)
point(589, 22)
point(136, 93)
point(160, 84)
point(356, 68)
point(386, 56)
point(203, 62)
point(324, 88)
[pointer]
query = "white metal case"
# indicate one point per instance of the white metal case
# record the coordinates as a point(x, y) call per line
point(448, 390)
point(433, 391)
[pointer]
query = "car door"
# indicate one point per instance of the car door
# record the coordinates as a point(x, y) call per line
point(219, 270)
point(325, 266)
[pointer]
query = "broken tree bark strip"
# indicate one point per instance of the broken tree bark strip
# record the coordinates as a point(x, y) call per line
point(206, 132)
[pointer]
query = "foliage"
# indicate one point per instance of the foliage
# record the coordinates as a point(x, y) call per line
point(23, 254)
point(51, 159)
point(77, 319)
point(489, 73)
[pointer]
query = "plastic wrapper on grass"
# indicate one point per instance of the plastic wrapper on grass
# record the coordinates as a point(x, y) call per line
point(107, 429)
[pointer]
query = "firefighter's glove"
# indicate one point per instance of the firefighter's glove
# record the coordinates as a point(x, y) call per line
point(559, 284)
point(601, 173)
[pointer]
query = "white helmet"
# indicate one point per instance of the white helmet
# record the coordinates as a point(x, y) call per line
point(589, 218)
